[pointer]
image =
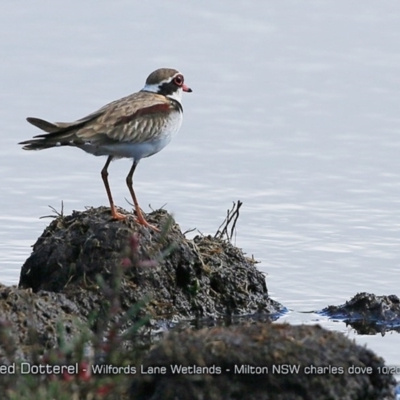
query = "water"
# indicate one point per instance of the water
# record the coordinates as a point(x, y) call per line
point(294, 112)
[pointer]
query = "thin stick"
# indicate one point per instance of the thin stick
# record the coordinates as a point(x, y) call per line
point(231, 215)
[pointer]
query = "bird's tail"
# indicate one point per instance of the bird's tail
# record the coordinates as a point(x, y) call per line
point(37, 144)
point(43, 125)
point(56, 135)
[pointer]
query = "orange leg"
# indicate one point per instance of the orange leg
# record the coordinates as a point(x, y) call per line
point(139, 216)
point(104, 174)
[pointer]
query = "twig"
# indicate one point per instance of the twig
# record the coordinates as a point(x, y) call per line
point(58, 214)
point(188, 231)
point(232, 217)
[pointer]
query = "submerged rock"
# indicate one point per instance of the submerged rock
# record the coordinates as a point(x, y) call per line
point(368, 313)
point(261, 361)
point(181, 278)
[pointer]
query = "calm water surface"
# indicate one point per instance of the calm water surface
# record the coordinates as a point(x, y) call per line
point(295, 112)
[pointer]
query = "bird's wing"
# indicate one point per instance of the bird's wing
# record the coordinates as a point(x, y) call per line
point(136, 118)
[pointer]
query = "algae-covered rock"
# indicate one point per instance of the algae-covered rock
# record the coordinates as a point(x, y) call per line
point(29, 321)
point(368, 313)
point(261, 361)
point(179, 277)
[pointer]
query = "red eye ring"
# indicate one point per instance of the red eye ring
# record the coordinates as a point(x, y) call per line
point(178, 80)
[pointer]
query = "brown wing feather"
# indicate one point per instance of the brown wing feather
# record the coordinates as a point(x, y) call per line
point(129, 119)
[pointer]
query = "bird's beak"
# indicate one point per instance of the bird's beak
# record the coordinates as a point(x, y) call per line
point(186, 89)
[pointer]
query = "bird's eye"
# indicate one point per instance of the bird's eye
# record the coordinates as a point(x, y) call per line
point(178, 80)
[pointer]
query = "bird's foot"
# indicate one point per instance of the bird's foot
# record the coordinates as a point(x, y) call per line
point(140, 220)
point(116, 215)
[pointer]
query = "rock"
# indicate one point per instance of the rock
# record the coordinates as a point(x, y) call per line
point(181, 278)
point(86, 272)
point(28, 321)
point(368, 313)
point(261, 361)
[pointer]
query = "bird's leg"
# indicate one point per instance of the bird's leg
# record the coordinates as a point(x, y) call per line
point(139, 216)
point(104, 174)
